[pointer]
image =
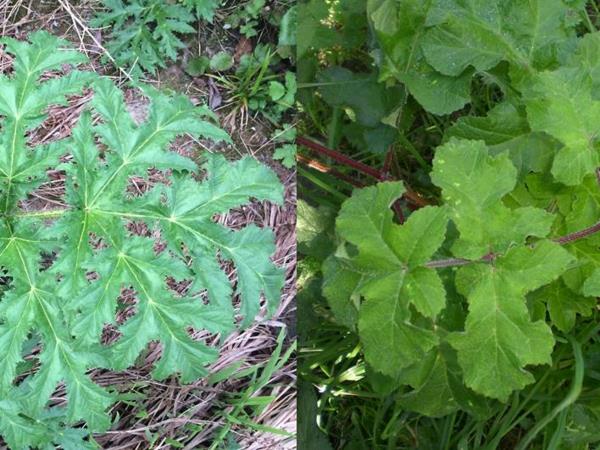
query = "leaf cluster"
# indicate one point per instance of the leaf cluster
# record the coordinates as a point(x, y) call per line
point(246, 18)
point(250, 16)
point(145, 34)
point(470, 301)
point(65, 269)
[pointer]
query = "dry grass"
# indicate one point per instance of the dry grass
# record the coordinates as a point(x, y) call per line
point(189, 414)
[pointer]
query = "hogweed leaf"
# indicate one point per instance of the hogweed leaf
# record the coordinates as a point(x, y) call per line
point(473, 184)
point(505, 130)
point(66, 270)
point(340, 287)
point(382, 278)
point(481, 34)
point(388, 273)
point(519, 185)
point(23, 103)
point(17, 430)
point(435, 47)
point(562, 104)
point(400, 28)
point(186, 217)
point(144, 34)
point(500, 338)
point(432, 394)
point(591, 286)
point(205, 9)
point(563, 304)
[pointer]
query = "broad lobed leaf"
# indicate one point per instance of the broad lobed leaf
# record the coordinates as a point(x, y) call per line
point(436, 47)
point(500, 339)
point(387, 272)
point(516, 83)
point(380, 282)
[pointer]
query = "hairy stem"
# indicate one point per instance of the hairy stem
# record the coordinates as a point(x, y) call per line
point(449, 262)
point(563, 240)
point(578, 234)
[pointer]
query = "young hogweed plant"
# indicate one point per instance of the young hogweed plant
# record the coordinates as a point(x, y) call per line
point(519, 207)
point(400, 322)
point(145, 34)
point(66, 268)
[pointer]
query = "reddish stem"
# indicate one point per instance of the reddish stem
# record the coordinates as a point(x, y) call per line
point(563, 240)
point(339, 157)
point(397, 207)
point(324, 168)
point(578, 234)
point(410, 195)
point(388, 162)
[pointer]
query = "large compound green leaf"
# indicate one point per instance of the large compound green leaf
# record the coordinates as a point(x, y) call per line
point(145, 34)
point(518, 174)
point(431, 392)
point(23, 103)
point(204, 8)
point(339, 89)
point(505, 130)
point(66, 276)
point(481, 33)
point(564, 104)
point(500, 338)
point(587, 59)
point(383, 274)
point(561, 104)
point(564, 305)
point(388, 273)
point(435, 47)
